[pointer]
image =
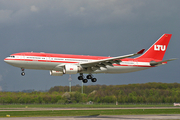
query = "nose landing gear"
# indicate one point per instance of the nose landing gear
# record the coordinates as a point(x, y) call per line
point(23, 73)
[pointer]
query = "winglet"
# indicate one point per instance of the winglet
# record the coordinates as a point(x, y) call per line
point(141, 51)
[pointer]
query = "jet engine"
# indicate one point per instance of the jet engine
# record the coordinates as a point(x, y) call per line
point(56, 73)
point(71, 69)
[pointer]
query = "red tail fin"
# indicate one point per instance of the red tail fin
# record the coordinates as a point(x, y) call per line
point(158, 49)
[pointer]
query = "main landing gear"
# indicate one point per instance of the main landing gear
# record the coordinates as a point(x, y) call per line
point(23, 73)
point(85, 80)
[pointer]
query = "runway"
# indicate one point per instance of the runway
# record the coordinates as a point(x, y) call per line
point(40, 109)
point(112, 117)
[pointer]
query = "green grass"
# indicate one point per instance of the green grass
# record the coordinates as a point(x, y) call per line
point(82, 105)
point(88, 112)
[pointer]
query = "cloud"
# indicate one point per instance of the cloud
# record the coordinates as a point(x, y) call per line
point(5, 15)
point(101, 11)
point(34, 8)
point(82, 9)
point(85, 13)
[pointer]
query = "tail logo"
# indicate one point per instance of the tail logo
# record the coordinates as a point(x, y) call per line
point(159, 47)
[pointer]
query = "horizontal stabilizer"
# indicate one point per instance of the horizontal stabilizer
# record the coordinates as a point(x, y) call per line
point(153, 63)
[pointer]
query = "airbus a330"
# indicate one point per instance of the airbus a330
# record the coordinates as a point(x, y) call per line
point(59, 64)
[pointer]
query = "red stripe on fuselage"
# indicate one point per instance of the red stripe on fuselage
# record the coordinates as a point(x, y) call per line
point(60, 55)
point(84, 57)
point(67, 56)
point(40, 60)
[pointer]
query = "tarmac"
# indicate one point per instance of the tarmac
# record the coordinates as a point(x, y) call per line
point(110, 117)
point(40, 109)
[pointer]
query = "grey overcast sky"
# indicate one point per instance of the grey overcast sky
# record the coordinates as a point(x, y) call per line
point(87, 27)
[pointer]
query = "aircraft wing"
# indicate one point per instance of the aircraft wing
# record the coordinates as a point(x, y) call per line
point(110, 61)
point(161, 62)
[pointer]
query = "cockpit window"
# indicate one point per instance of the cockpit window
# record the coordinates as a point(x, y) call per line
point(12, 56)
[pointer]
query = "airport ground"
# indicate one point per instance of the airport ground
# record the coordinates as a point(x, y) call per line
point(89, 113)
point(112, 117)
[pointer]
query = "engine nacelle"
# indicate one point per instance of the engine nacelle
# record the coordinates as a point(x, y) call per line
point(56, 73)
point(71, 69)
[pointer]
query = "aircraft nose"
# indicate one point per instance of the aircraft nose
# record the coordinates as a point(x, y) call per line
point(8, 61)
point(5, 59)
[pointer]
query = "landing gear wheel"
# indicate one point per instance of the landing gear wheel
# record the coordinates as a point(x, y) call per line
point(89, 76)
point(93, 79)
point(85, 81)
point(23, 73)
point(80, 78)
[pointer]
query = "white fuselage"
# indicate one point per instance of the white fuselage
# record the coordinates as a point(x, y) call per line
point(54, 63)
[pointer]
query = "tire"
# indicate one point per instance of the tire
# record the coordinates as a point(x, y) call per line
point(85, 81)
point(93, 79)
point(23, 73)
point(89, 77)
point(80, 78)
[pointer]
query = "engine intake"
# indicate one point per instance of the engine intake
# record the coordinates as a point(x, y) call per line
point(56, 73)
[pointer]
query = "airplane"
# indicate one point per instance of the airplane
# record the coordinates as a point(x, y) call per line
point(59, 64)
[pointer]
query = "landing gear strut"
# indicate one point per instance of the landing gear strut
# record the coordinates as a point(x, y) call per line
point(23, 73)
point(90, 76)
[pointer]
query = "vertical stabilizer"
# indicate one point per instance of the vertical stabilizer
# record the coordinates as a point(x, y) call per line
point(158, 49)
